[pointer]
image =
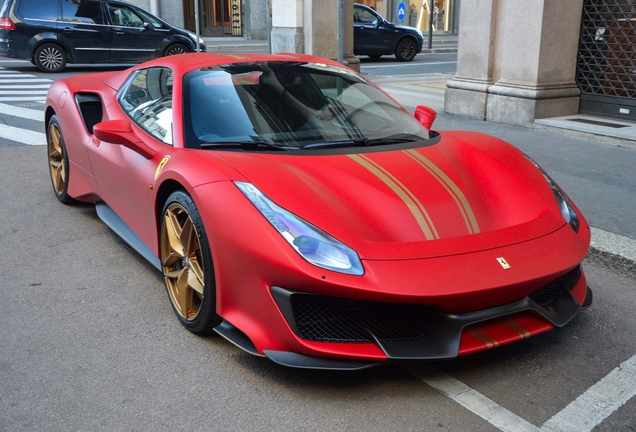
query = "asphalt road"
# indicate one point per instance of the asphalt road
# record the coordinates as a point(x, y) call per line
point(88, 341)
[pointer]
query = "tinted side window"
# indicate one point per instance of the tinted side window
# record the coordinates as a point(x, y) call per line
point(147, 99)
point(38, 9)
point(364, 16)
point(86, 12)
point(123, 16)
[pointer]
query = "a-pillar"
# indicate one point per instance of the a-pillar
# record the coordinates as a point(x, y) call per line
point(516, 60)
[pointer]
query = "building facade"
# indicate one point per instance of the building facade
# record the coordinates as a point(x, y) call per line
point(445, 16)
point(217, 18)
point(521, 61)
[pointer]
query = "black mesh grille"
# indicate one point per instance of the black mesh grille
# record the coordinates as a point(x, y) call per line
point(550, 294)
point(332, 319)
point(607, 48)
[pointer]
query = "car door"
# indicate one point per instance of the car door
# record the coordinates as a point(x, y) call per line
point(82, 27)
point(132, 39)
point(123, 175)
point(369, 35)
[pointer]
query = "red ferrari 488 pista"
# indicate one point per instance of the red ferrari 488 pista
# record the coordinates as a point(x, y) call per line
point(299, 211)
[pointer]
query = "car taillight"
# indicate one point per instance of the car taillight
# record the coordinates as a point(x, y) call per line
point(6, 24)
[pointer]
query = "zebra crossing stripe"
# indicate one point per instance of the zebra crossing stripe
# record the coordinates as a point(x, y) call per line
point(25, 80)
point(21, 86)
point(23, 98)
point(23, 136)
point(23, 92)
point(16, 75)
point(16, 111)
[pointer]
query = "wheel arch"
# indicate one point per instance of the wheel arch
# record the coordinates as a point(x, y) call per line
point(43, 38)
point(50, 112)
point(406, 36)
point(165, 190)
point(174, 42)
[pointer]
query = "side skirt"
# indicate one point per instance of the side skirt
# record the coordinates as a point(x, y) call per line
point(115, 223)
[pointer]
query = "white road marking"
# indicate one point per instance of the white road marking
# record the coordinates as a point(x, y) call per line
point(8, 74)
point(598, 402)
point(23, 136)
point(23, 92)
point(470, 399)
point(582, 415)
point(21, 86)
point(23, 98)
point(17, 111)
point(25, 80)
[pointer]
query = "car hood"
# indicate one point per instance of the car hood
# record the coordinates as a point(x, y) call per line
point(468, 192)
point(405, 27)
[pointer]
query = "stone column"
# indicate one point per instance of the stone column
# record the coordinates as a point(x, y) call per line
point(287, 26)
point(311, 27)
point(516, 60)
point(255, 13)
point(349, 59)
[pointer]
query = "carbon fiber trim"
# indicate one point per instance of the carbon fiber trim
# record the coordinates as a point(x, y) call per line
point(554, 302)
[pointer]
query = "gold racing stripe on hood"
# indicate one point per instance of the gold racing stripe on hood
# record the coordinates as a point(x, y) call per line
point(451, 188)
point(411, 201)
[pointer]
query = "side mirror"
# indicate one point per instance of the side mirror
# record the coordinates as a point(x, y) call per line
point(426, 116)
point(148, 26)
point(121, 132)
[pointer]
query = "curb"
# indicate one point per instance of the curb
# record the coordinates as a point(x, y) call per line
point(611, 261)
point(613, 251)
point(438, 50)
point(231, 47)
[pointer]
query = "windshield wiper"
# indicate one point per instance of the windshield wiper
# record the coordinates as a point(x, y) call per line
point(360, 142)
point(246, 145)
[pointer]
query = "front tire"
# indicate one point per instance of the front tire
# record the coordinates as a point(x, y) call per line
point(58, 161)
point(50, 57)
point(187, 265)
point(406, 50)
point(176, 49)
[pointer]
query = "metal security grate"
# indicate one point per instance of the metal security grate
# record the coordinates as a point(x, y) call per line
point(332, 319)
point(606, 66)
point(550, 294)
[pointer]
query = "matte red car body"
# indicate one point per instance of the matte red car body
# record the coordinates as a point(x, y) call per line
point(511, 213)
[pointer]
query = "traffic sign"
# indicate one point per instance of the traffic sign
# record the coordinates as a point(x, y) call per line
point(401, 11)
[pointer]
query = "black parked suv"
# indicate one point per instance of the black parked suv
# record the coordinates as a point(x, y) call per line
point(374, 36)
point(52, 33)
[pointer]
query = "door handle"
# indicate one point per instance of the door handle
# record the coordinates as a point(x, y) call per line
point(67, 29)
point(119, 32)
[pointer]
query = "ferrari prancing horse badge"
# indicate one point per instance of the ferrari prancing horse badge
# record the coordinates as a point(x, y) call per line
point(503, 263)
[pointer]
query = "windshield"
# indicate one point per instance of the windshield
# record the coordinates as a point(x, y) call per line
point(290, 104)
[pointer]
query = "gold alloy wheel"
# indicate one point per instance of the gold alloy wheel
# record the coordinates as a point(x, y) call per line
point(56, 158)
point(182, 262)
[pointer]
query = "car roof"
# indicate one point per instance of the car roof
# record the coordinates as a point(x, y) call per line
point(183, 63)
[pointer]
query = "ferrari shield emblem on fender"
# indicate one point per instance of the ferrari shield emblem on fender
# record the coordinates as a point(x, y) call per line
point(503, 263)
point(163, 163)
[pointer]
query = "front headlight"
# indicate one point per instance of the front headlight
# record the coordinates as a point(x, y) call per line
point(566, 207)
point(311, 243)
point(194, 38)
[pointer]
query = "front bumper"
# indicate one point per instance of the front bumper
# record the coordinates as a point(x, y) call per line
point(442, 335)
